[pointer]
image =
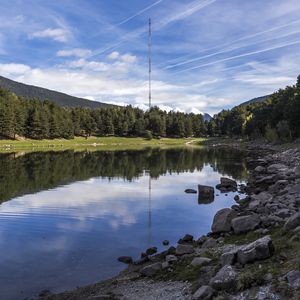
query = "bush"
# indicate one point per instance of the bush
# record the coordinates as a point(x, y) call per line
point(148, 135)
point(284, 131)
point(271, 134)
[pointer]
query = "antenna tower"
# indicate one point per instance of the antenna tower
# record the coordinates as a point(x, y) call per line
point(150, 60)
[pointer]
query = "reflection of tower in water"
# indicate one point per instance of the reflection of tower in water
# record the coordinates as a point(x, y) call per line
point(149, 209)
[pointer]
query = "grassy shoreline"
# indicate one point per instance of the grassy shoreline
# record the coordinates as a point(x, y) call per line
point(93, 143)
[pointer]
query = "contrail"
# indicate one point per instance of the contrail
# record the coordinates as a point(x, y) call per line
point(229, 50)
point(230, 43)
point(239, 56)
point(139, 13)
point(191, 9)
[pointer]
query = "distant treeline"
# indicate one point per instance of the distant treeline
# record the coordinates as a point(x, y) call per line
point(41, 120)
point(277, 118)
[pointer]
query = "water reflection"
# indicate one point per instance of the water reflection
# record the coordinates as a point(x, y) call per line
point(101, 205)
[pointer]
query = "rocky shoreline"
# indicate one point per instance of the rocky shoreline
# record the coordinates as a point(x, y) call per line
point(252, 251)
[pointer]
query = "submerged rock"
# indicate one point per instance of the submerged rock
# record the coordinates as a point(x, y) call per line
point(125, 259)
point(222, 220)
point(190, 191)
point(165, 242)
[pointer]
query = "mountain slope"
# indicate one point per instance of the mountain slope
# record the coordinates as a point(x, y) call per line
point(30, 91)
point(255, 100)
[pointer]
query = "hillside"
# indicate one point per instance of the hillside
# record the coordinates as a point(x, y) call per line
point(30, 91)
point(255, 100)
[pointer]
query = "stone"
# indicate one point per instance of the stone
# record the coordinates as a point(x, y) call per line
point(283, 213)
point(292, 222)
point(293, 278)
point(151, 250)
point(262, 197)
point(125, 259)
point(222, 220)
point(165, 265)
point(206, 194)
point(226, 279)
point(165, 242)
point(275, 168)
point(200, 261)
point(227, 185)
point(210, 243)
point(259, 169)
point(190, 191)
point(141, 261)
point(186, 239)
point(184, 249)
point(229, 258)
point(205, 292)
point(236, 198)
point(171, 259)
point(151, 270)
point(260, 249)
point(245, 223)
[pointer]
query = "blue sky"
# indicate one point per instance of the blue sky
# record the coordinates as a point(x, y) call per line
point(207, 54)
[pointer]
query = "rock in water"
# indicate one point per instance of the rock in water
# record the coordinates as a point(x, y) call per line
point(222, 220)
point(227, 185)
point(259, 249)
point(206, 194)
point(226, 279)
point(245, 223)
point(151, 250)
point(165, 242)
point(190, 191)
point(205, 292)
point(125, 259)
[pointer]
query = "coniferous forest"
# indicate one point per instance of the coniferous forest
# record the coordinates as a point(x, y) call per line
point(46, 120)
point(277, 119)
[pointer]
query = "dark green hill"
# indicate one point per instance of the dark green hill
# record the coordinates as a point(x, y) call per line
point(255, 100)
point(30, 91)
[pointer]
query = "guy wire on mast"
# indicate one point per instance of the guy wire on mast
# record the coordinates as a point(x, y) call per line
point(150, 60)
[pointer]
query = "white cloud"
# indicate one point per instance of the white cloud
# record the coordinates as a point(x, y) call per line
point(128, 58)
point(56, 34)
point(13, 69)
point(114, 55)
point(74, 52)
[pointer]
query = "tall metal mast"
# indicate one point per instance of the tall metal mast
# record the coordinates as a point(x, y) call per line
point(150, 60)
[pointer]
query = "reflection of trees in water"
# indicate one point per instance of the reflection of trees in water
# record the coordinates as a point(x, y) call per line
point(38, 171)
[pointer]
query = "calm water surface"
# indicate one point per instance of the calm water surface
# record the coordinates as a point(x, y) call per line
point(66, 217)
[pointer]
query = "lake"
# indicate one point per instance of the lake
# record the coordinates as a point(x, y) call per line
point(65, 217)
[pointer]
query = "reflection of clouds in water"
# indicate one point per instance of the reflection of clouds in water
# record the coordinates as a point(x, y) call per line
point(95, 198)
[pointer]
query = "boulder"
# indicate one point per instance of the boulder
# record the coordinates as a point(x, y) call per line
point(275, 168)
point(210, 243)
point(222, 220)
point(227, 185)
point(171, 259)
point(186, 239)
point(226, 279)
point(293, 278)
point(245, 223)
point(205, 292)
point(151, 270)
point(229, 258)
point(292, 222)
point(190, 191)
point(165, 242)
point(259, 169)
point(184, 249)
point(125, 259)
point(151, 250)
point(206, 194)
point(200, 261)
point(258, 250)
